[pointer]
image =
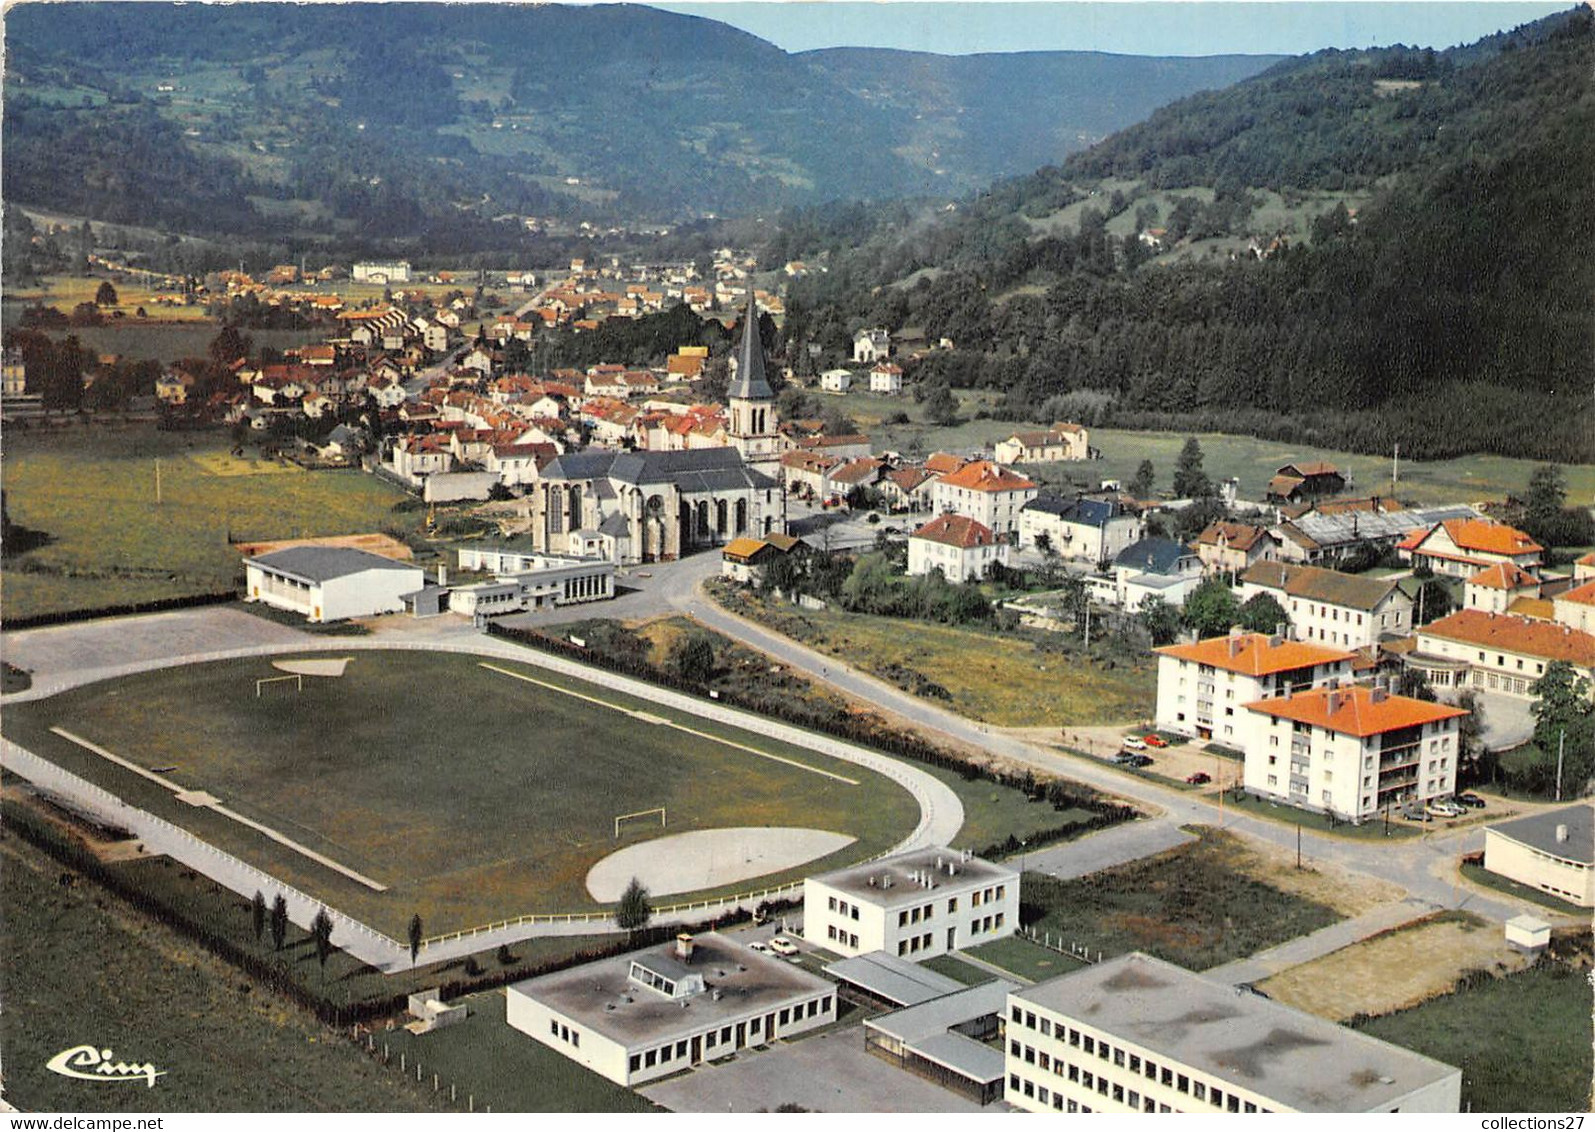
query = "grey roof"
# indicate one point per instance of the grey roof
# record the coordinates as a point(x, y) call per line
point(696, 469)
point(1153, 556)
point(1354, 526)
point(596, 994)
point(1297, 1060)
point(1356, 591)
point(1086, 512)
point(1538, 831)
point(893, 881)
point(324, 563)
point(615, 526)
point(893, 979)
point(751, 384)
point(927, 1029)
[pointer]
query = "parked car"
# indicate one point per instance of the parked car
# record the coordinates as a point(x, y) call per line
point(1471, 800)
point(1132, 758)
point(783, 946)
point(1135, 743)
point(760, 946)
point(1442, 809)
point(1155, 741)
point(1200, 778)
point(1414, 812)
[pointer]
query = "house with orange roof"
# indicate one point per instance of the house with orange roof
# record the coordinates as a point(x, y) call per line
point(944, 463)
point(1202, 687)
point(849, 446)
point(1575, 608)
point(1354, 752)
point(986, 492)
point(962, 548)
point(886, 379)
point(804, 474)
point(1494, 590)
point(1065, 440)
point(1497, 652)
point(907, 488)
point(1459, 548)
point(1584, 568)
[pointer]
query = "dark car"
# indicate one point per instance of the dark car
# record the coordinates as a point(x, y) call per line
point(1471, 800)
point(1200, 778)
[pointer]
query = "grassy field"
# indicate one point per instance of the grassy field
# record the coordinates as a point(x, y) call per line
point(1195, 905)
point(955, 968)
point(992, 812)
point(81, 968)
point(1028, 960)
point(1247, 459)
point(169, 342)
point(505, 1070)
point(1522, 1041)
point(63, 292)
point(415, 769)
point(92, 491)
point(1372, 830)
point(1002, 680)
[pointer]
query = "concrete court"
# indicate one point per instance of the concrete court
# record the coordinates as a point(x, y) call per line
point(827, 1072)
point(702, 859)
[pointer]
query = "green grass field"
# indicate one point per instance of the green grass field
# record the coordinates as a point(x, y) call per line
point(92, 491)
point(1031, 961)
point(472, 795)
point(1194, 905)
point(1522, 1041)
point(81, 967)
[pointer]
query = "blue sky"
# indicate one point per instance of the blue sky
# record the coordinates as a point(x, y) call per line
point(1171, 27)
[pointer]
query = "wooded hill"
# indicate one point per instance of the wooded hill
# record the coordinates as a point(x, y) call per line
point(418, 124)
point(1449, 313)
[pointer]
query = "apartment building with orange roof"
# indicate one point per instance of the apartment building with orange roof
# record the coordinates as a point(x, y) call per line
point(1462, 547)
point(1350, 751)
point(1497, 652)
point(986, 492)
point(1202, 687)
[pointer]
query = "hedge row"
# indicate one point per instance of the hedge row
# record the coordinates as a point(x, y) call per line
point(156, 605)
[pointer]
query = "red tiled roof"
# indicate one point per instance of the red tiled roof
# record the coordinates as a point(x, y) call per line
point(983, 475)
point(1504, 576)
point(1356, 711)
point(1515, 634)
point(1255, 654)
point(1580, 595)
point(957, 530)
point(1239, 536)
point(1492, 538)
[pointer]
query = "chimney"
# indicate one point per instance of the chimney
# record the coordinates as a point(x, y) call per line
point(684, 947)
point(443, 575)
point(1378, 696)
point(1561, 834)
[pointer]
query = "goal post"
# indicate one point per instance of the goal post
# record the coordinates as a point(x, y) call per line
point(660, 810)
point(297, 678)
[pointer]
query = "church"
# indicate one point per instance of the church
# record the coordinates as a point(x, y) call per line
point(657, 506)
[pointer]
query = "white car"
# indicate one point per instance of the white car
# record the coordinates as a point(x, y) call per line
point(1135, 743)
point(783, 946)
point(1442, 809)
point(760, 946)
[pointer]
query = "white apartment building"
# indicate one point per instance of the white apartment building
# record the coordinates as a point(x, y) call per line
point(1136, 1035)
point(918, 904)
point(1202, 688)
point(985, 492)
point(1081, 530)
point(1331, 608)
point(1350, 752)
point(1497, 652)
point(960, 548)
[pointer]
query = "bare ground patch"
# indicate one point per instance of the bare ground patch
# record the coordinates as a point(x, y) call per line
point(1395, 970)
point(1349, 894)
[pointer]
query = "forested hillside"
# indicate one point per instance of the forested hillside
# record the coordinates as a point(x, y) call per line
point(1447, 310)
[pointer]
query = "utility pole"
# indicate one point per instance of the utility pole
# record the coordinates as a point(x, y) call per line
point(157, 481)
point(1561, 742)
point(1298, 845)
point(1395, 468)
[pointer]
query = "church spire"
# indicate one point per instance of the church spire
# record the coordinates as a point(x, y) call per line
point(751, 384)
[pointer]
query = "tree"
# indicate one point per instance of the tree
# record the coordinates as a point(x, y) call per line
point(1145, 481)
point(1543, 502)
point(257, 914)
point(1161, 620)
point(415, 936)
point(1190, 482)
point(692, 658)
point(1415, 684)
point(321, 932)
point(1432, 603)
point(1044, 543)
point(634, 911)
point(106, 295)
point(1194, 518)
point(1211, 609)
point(1564, 720)
point(279, 922)
point(941, 407)
point(1262, 614)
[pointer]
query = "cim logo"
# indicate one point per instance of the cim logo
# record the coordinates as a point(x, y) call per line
point(90, 1063)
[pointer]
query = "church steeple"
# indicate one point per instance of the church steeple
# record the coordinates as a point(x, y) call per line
point(751, 384)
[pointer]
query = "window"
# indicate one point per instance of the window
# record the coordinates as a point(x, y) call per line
point(830, 903)
point(1182, 1083)
point(1090, 1045)
point(1030, 1020)
point(635, 1062)
point(650, 1059)
point(1014, 1047)
point(1135, 1063)
point(1199, 1091)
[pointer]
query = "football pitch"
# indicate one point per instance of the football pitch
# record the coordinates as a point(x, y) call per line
point(464, 790)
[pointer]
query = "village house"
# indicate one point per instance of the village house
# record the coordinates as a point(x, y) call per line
point(745, 559)
point(986, 492)
point(836, 381)
point(1462, 547)
point(1294, 483)
point(1326, 533)
point(847, 447)
point(1496, 652)
point(886, 379)
point(908, 489)
point(960, 547)
point(1063, 441)
point(1499, 588)
point(1331, 608)
point(871, 346)
point(1079, 529)
point(1152, 567)
point(1575, 608)
point(1231, 548)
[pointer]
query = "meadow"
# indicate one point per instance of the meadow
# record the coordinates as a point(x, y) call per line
point(473, 796)
point(91, 491)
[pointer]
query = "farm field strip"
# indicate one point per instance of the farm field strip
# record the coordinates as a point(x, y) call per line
point(647, 717)
point(210, 802)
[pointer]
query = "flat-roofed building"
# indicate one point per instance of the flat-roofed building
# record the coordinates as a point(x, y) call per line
point(1202, 687)
point(1553, 851)
point(650, 1013)
point(1137, 1034)
point(887, 979)
point(945, 1039)
point(1350, 751)
point(915, 905)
